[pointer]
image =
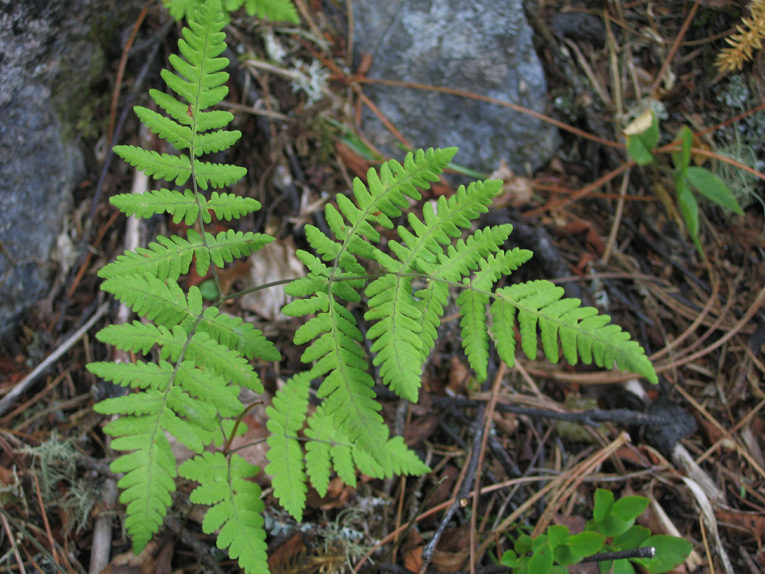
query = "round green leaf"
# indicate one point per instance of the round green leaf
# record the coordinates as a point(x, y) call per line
point(670, 551)
point(542, 561)
point(557, 535)
point(209, 290)
point(586, 543)
point(604, 501)
point(630, 507)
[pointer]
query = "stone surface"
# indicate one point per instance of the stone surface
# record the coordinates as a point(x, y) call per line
point(47, 65)
point(481, 46)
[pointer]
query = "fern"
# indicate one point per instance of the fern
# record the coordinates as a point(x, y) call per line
point(274, 10)
point(406, 301)
point(192, 392)
point(196, 359)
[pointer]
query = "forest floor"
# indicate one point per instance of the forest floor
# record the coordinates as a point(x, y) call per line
point(612, 229)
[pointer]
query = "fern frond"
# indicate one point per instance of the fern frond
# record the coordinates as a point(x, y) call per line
point(321, 431)
point(199, 80)
point(386, 193)
point(167, 258)
point(397, 333)
point(475, 334)
point(403, 460)
point(138, 375)
point(217, 174)
point(235, 506)
point(583, 333)
point(192, 392)
point(285, 420)
point(205, 386)
point(227, 245)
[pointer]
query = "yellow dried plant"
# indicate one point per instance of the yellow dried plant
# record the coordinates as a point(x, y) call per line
point(745, 42)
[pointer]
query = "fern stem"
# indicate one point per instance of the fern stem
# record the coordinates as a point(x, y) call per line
point(239, 420)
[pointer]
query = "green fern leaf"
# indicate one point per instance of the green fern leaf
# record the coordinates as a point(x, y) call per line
point(217, 174)
point(274, 10)
point(182, 206)
point(163, 302)
point(155, 164)
point(403, 460)
point(138, 375)
point(235, 506)
point(317, 456)
point(582, 331)
point(228, 206)
point(431, 301)
point(228, 245)
point(396, 334)
point(169, 258)
point(192, 392)
point(475, 334)
point(148, 481)
point(347, 387)
point(205, 352)
point(234, 333)
point(328, 441)
point(285, 420)
point(185, 206)
point(199, 80)
point(328, 448)
point(181, 136)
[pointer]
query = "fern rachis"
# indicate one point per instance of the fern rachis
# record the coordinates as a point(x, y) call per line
point(203, 357)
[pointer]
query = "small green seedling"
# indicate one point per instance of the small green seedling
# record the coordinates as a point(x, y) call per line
point(612, 529)
point(642, 139)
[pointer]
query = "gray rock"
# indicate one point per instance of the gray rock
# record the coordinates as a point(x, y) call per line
point(47, 65)
point(37, 173)
point(482, 46)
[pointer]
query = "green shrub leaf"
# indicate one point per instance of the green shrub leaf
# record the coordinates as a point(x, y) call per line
point(713, 188)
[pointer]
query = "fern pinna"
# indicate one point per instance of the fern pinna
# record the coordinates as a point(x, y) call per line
point(203, 356)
